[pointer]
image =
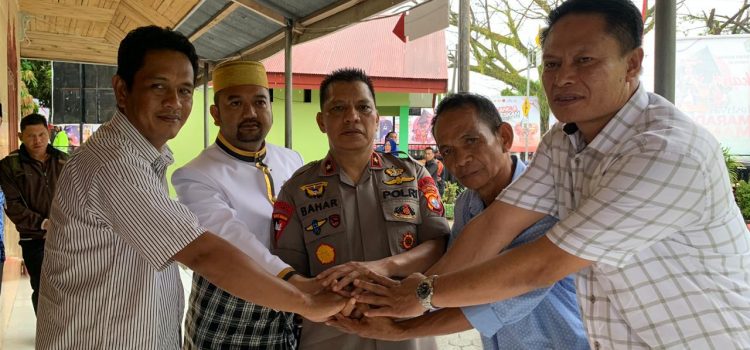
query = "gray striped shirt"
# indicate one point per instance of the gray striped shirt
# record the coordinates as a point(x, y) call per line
point(108, 278)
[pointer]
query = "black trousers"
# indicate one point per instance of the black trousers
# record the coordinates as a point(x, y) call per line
point(33, 255)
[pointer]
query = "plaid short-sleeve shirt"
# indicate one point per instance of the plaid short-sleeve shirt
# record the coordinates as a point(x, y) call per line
point(649, 202)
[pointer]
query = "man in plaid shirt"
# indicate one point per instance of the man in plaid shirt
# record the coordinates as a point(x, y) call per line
point(647, 218)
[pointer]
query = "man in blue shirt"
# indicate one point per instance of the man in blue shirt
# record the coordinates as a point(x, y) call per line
point(475, 144)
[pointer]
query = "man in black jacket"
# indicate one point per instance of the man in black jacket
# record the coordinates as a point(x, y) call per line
point(28, 176)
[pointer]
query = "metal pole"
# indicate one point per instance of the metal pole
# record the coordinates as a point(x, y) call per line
point(665, 29)
point(526, 116)
point(463, 45)
point(205, 106)
point(288, 84)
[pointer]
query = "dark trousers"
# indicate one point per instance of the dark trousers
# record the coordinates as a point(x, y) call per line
point(33, 254)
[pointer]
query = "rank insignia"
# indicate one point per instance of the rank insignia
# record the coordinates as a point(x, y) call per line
point(375, 161)
point(404, 212)
point(314, 190)
point(393, 172)
point(325, 253)
point(334, 220)
point(282, 211)
point(398, 180)
point(315, 226)
point(328, 167)
point(407, 240)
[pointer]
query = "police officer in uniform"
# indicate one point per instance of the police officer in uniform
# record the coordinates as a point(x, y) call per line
point(357, 210)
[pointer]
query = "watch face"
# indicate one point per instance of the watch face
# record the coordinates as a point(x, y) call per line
point(423, 290)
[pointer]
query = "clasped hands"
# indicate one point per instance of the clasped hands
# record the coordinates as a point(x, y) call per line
point(374, 299)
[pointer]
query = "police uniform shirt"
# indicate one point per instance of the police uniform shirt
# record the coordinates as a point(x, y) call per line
point(323, 219)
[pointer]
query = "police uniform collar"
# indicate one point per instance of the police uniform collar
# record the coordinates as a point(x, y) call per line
point(240, 154)
point(329, 167)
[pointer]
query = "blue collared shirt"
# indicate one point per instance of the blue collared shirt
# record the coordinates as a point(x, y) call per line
point(546, 318)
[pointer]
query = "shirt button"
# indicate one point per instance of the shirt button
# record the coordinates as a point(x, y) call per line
point(592, 299)
point(597, 346)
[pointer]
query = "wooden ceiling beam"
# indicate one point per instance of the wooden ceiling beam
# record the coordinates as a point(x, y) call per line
point(87, 13)
point(76, 48)
point(142, 14)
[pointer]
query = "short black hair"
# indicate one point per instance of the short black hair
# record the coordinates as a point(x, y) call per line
point(486, 110)
point(348, 75)
point(33, 119)
point(429, 148)
point(142, 40)
point(623, 20)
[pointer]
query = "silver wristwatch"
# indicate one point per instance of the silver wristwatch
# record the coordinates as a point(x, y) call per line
point(425, 292)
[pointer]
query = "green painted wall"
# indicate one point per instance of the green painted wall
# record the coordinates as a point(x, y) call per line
point(306, 137)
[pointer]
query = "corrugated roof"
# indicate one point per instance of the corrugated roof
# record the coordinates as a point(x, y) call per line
point(371, 46)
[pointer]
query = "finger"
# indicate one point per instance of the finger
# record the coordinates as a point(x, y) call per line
point(385, 311)
point(357, 291)
point(374, 300)
point(331, 275)
point(372, 287)
point(382, 280)
point(346, 280)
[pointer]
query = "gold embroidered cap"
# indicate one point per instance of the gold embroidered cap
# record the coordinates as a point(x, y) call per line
point(233, 73)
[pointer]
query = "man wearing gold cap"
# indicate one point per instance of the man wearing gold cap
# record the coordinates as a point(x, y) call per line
point(231, 187)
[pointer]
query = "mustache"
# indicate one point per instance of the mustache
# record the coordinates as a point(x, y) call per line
point(249, 122)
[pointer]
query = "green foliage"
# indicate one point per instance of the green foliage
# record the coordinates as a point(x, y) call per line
point(449, 210)
point(731, 163)
point(742, 195)
point(37, 75)
point(452, 190)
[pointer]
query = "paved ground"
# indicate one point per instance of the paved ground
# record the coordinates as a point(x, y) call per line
point(18, 326)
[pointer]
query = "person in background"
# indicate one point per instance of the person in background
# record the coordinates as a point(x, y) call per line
point(435, 167)
point(29, 178)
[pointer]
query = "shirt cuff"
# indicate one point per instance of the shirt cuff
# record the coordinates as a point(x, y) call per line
point(483, 318)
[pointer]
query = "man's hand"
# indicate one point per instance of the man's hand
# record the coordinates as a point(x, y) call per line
point(340, 277)
point(376, 328)
point(320, 307)
point(307, 285)
point(396, 299)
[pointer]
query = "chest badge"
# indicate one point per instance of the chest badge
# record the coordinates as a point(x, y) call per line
point(315, 226)
point(325, 253)
point(404, 212)
point(393, 172)
point(407, 240)
point(314, 190)
point(398, 180)
point(334, 220)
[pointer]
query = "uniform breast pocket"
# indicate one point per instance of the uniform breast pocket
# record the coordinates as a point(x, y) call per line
point(401, 220)
point(325, 241)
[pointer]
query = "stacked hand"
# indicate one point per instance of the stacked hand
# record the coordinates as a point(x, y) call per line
point(373, 295)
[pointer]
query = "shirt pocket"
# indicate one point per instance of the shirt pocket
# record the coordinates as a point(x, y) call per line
point(401, 219)
point(325, 240)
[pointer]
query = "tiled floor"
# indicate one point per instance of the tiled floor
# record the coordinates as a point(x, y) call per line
point(18, 322)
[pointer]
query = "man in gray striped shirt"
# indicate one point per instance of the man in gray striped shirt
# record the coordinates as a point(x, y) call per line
point(109, 280)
